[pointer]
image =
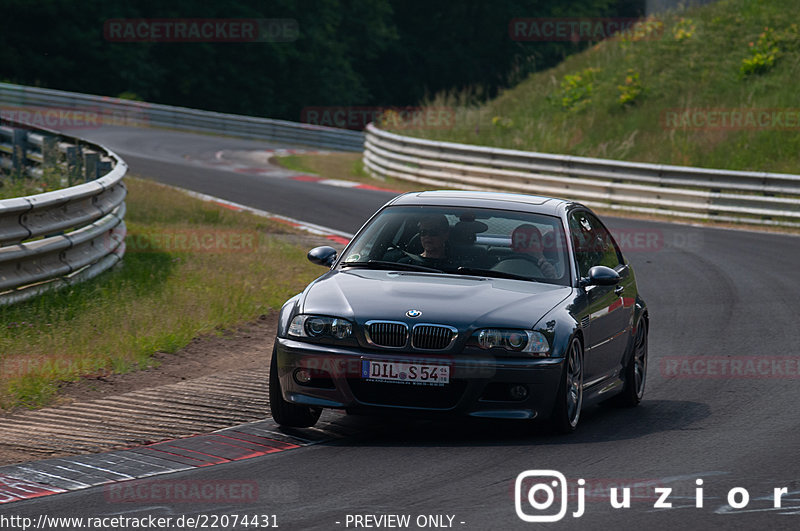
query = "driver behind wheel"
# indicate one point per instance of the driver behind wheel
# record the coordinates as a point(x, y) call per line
point(434, 233)
point(527, 239)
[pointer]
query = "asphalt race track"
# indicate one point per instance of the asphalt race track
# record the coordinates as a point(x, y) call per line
point(188, 161)
point(715, 297)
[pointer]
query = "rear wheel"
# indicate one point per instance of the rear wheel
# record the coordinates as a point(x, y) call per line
point(636, 369)
point(285, 413)
point(567, 411)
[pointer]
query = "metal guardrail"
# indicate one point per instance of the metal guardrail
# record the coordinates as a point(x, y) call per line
point(62, 237)
point(699, 193)
point(126, 112)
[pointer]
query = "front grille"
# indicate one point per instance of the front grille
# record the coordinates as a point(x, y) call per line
point(432, 337)
point(406, 395)
point(387, 334)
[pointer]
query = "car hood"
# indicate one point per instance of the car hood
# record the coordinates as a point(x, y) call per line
point(461, 301)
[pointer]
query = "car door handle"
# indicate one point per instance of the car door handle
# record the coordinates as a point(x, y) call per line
point(618, 290)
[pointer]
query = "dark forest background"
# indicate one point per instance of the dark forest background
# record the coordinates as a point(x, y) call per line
point(349, 52)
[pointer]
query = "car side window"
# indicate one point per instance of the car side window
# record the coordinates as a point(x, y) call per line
point(592, 242)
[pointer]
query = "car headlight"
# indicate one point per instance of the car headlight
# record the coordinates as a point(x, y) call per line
point(320, 327)
point(527, 341)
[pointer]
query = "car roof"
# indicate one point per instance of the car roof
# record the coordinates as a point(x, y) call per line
point(499, 200)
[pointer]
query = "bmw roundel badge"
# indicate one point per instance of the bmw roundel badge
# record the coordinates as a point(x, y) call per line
point(413, 313)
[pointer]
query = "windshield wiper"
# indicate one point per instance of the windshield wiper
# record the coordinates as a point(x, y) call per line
point(490, 273)
point(380, 264)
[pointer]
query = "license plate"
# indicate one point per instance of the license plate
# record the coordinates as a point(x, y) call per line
point(406, 373)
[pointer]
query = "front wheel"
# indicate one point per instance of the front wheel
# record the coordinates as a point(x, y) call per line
point(569, 400)
point(636, 369)
point(286, 413)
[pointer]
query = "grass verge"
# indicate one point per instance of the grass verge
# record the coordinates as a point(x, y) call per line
point(14, 184)
point(191, 268)
point(659, 96)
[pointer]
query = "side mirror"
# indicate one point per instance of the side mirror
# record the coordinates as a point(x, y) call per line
point(601, 276)
point(324, 256)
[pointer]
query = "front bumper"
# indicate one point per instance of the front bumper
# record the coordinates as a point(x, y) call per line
point(471, 391)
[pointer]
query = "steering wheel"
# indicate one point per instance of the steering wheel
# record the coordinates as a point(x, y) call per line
point(415, 258)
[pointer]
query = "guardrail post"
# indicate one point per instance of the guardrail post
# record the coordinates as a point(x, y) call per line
point(90, 166)
point(104, 167)
point(20, 144)
point(74, 163)
point(49, 151)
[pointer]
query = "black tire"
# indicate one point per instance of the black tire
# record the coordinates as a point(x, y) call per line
point(635, 371)
point(569, 399)
point(285, 413)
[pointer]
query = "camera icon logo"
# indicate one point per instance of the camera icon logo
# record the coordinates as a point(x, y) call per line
point(541, 496)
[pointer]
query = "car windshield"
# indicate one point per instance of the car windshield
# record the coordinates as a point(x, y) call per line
point(464, 241)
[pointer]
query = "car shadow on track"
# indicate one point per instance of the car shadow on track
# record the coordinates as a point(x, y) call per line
point(598, 424)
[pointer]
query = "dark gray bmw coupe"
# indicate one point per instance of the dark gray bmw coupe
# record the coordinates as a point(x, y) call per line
point(473, 303)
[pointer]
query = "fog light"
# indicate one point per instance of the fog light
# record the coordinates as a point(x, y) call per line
point(302, 376)
point(518, 392)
